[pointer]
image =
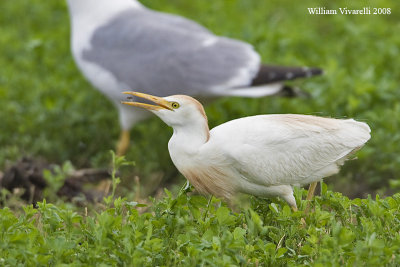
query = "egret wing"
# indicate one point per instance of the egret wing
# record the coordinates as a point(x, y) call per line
point(288, 149)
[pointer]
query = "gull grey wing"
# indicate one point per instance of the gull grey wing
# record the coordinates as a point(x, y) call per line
point(175, 21)
point(142, 50)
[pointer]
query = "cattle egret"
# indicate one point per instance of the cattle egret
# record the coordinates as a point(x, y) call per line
point(122, 44)
point(262, 155)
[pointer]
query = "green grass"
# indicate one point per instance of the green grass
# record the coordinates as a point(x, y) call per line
point(190, 230)
point(48, 110)
point(187, 232)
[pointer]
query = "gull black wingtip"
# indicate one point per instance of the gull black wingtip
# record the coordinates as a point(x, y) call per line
point(316, 71)
point(272, 73)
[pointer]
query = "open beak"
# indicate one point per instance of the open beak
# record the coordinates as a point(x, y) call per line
point(160, 102)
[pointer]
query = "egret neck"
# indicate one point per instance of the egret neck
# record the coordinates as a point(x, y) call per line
point(188, 139)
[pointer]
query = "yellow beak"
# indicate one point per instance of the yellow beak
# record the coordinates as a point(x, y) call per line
point(161, 102)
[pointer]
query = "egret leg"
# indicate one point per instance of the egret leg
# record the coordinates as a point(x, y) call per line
point(185, 188)
point(311, 190)
point(302, 221)
point(123, 143)
point(208, 206)
point(310, 194)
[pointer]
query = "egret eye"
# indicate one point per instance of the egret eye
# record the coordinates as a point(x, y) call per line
point(175, 105)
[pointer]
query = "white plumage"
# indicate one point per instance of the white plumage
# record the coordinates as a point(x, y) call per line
point(262, 155)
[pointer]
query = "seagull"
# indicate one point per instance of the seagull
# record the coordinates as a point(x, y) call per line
point(122, 44)
point(263, 155)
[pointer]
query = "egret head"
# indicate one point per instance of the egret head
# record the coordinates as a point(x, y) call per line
point(176, 110)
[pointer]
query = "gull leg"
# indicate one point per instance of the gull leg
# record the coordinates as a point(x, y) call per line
point(123, 143)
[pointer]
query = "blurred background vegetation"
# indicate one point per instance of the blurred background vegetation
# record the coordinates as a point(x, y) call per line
point(48, 110)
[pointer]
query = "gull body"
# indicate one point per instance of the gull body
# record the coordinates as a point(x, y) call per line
point(122, 44)
point(262, 155)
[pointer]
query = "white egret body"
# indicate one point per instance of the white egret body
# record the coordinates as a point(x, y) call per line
point(262, 155)
point(122, 44)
